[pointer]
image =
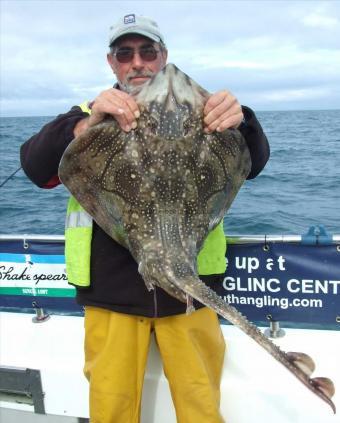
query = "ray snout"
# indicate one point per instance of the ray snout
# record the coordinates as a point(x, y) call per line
point(171, 89)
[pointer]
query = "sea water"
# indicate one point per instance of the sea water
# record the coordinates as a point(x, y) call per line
point(299, 187)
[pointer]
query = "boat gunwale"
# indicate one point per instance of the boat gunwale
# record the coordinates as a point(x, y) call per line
point(231, 239)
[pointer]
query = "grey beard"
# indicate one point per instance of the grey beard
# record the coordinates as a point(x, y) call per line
point(128, 88)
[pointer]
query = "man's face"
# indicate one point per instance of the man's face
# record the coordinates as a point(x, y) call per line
point(136, 71)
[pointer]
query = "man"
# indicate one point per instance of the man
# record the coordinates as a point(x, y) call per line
point(120, 313)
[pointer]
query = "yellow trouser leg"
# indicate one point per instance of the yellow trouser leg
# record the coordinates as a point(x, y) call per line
point(116, 347)
point(192, 349)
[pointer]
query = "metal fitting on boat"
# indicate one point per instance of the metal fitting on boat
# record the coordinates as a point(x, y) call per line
point(40, 315)
point(265, 245)
point(25, 243)
point(274, 330)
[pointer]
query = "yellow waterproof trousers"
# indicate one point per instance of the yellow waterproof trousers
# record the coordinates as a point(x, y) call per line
point(116, 348)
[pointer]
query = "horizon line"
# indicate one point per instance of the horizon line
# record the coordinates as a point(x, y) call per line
point(257, 111)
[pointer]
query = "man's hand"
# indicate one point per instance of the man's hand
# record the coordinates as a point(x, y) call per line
point(112, 102)
point(118, 104)
point(222, 110)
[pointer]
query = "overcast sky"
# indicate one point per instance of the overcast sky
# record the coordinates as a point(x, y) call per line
point(273, 55)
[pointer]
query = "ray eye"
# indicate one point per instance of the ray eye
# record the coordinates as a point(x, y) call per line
point(153, 124)
point(186, 126)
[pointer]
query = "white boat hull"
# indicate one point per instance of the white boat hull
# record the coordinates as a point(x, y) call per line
point(254, 385)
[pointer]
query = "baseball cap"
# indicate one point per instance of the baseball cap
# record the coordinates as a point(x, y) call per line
point(133, 24)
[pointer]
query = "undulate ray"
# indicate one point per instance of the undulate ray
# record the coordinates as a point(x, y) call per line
point(161, 188)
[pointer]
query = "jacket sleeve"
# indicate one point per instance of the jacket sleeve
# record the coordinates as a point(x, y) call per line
point(256, 140)
point(41, 154)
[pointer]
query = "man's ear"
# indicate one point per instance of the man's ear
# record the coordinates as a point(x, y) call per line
point(165, 56)
point(110, 62)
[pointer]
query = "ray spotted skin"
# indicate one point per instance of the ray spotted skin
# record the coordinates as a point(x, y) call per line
point(162, 187)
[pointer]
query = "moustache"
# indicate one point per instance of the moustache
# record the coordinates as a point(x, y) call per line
point(139, 74)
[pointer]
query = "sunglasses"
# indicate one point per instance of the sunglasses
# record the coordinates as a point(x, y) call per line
point(126, 54)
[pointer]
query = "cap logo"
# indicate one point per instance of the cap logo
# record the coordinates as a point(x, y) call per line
point(128, 19)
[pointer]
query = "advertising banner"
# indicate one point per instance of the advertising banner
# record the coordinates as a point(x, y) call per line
point(291, 283)
point(286, 282)
point(33, 275)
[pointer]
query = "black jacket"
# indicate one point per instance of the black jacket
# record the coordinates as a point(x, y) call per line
point(115, 281)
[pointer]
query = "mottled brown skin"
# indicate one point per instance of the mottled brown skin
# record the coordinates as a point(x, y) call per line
point(161, 188)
